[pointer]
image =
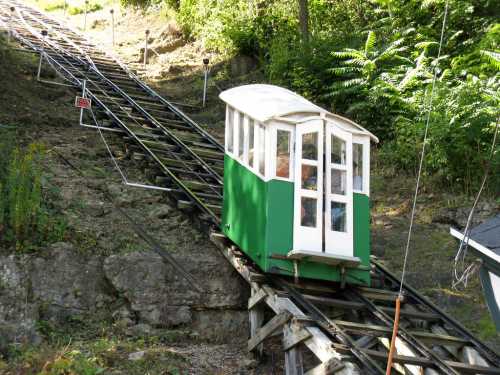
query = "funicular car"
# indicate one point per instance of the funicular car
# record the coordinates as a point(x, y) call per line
point(296, 185)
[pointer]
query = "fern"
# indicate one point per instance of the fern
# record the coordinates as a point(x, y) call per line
point(492, 57)
point(23, 218)
point(370, 42)
point(343, 70)
point(426, 45)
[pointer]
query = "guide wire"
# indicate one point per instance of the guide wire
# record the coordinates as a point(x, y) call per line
point(415, 196)
point(462, 251)
point(141, 232)
point(138, 229)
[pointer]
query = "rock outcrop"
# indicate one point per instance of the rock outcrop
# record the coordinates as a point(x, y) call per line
point(137, 290)
point(18, 315)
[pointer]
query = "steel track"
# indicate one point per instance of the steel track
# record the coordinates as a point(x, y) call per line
point(357, 320)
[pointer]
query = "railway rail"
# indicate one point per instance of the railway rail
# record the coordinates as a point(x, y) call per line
point(347, 329)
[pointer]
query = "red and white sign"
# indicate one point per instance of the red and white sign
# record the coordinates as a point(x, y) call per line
point(84, 103)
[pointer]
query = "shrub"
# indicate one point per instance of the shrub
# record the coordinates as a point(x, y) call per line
point(462, 125)
point(25, 220)
point(91, 7)
point(54, 5)
point(374, 62)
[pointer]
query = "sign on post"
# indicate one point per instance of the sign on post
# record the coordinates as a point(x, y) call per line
point(83, 103)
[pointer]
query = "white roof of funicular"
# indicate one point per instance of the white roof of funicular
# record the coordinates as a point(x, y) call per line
point(266, 102)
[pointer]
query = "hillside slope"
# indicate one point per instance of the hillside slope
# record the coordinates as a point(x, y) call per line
point(99, 299)
point(177, 73)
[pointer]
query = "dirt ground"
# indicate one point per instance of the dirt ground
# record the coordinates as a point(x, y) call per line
point(177, 74)
point(44, 114)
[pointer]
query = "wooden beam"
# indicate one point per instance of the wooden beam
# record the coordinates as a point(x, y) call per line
point(293, 362)
point(433, 338)
point(379, 294)
point(353, 305)
point(256, 316)
point(294, 336)
point(268, 329)
point(319, 344)
point(331, 366)
point(325, 258)
point(293, 354)
point(462, 368)
point(256, 297)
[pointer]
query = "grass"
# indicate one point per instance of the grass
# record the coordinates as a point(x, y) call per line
point(90, 346)
point(73, 7)
point(54, 5)
point(432, 249)
point(91, 7)
point(26, 220)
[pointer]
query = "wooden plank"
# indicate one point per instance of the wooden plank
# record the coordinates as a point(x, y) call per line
point(353, 305)
point(463, 368)
point(329, 367)
point(295, 337)
point(256, 316)
point(257, 277)
point(437, 339)
point(319, 344)
point(293, 354)
point(293, 362)
point(268, 329)
point(256, 298)
point(379, 294)
point(333, 260)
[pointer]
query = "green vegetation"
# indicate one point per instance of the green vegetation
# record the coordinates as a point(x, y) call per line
point(86, 345)
point(25, 220)
point(91, 7)
point(72, 7)
point(374, 61)
point(54, 5)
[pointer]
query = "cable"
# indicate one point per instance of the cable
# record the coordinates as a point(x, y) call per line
point(412, 217)
point(422, 155)
point(462, 251)
point(124, 178)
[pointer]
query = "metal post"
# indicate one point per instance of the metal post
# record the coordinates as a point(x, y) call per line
point(9, 34)
point(112, 11)
point(64, 8)
point(85, 16)
point(84, 90)
point(205, 68)
point(44, 35)
point(146, 49)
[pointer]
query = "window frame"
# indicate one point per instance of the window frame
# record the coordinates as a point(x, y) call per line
point(254, 123)
point(274, 150)
point(228, 141)
point(258, 127)
point(237, 126)
point(256, 144)
point(364, 141)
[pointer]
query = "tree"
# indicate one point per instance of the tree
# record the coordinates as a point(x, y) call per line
point(366, 87)
point(304, 19)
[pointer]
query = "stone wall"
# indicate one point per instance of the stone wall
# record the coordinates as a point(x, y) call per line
point(136, 290)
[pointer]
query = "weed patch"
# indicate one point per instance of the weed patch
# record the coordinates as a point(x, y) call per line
point(91, 7)
point(25, 219)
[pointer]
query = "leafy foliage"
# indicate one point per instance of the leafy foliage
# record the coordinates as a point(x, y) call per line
point(374, 61)
point(73, 7)
point(24, 219)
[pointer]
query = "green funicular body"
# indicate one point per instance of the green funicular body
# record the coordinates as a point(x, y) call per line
point(258, 217)
point(296, 185)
